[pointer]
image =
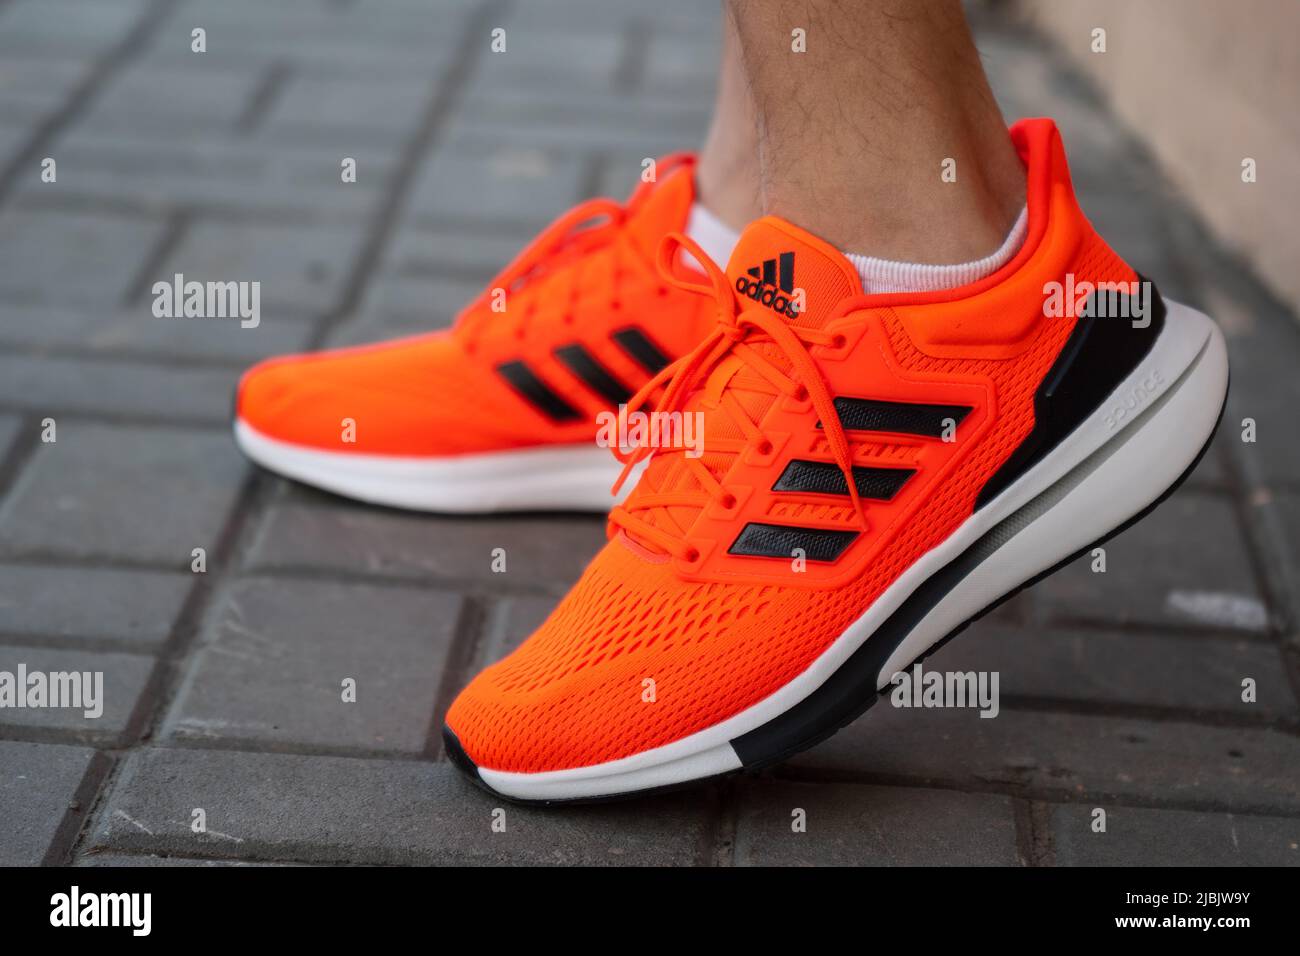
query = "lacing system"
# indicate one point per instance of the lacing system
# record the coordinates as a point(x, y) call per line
point(739, 330)
point(586, 227)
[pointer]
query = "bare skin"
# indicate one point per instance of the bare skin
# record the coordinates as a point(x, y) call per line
point(849, 139)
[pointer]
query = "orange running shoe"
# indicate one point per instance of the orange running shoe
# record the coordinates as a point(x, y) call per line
point(499, 412)
point(877, 471)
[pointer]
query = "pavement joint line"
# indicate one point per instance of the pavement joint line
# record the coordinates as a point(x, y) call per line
point(718, 839)
point(446, 88)
point(629, 74)
point(167, 674)
point(1033, 832)
point(20, 450)
point(96, 417)
point(83, 94)
point(81, 811)
point(1049, 795)
point(173, 233)
point(264, 96)
point(1259, 552)
point(462, 652)
point(1191, 630)
point(131, 357)
point(75, 201)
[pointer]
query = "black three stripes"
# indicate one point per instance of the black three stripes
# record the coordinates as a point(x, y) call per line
point(760, 540)
point(587, 369)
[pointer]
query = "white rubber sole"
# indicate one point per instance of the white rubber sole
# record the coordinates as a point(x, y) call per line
point(1109, 469)
point(565, 478)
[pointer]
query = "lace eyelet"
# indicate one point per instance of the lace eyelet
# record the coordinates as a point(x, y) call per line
point(692, 555)
point(727, 501)
point(764, 448)
point(800, 394)
point(839, 340)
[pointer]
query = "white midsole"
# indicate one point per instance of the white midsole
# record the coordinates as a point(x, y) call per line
point(563, 478)
point(1119, 487)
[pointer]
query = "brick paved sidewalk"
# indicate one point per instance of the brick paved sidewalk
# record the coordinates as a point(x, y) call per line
point(1120, 690)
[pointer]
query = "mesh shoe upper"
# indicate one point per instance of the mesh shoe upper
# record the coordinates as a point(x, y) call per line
point(443, 393)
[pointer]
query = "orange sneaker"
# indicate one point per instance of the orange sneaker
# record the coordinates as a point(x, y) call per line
point(499, 412)
point(877, 471)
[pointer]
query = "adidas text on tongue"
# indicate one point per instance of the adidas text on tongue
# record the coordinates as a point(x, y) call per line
point(763, 287)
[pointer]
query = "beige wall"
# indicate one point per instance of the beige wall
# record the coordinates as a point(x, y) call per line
point(1205, 83)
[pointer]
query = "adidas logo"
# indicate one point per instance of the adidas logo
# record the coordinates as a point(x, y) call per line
point(772, 284)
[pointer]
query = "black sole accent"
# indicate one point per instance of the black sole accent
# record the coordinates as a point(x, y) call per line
point(771, 744)
point(1101, 352)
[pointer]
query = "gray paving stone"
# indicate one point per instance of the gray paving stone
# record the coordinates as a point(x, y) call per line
point(403, 303)
point(50, 386)
point(200, 171)
point(1172, 762)
point(1126, 668)
point(467, 255)
point(318, 37)
point(274, 658)
point(848, 825)
point(555, 58)
point(71, 258)
point(38, 782)
point(510, 622)
point(1140, 837)
point(114, 608)
point(526, 108)
point(469, 134)
point(1184, 565)
point(10, 427)
point(1267, 394)
point(33, 86)
point(365, 110)
point(307, 808)
point(123, 678)
point(539, 551)
point(300, 268)
point(508, 185)
point(59, 26)
point(136, 332)
point(199, 95)
point(132, 493)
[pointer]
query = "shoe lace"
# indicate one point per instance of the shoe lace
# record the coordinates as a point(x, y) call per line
point(587, 227)
point(753, 335)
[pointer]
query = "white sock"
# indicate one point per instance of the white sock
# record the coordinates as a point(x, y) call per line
point(885, 275)
point(712, 234)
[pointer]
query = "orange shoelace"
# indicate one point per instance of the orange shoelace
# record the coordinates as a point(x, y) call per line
point(741, 327)
point(585, 228)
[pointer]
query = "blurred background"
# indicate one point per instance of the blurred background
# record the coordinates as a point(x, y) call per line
point(1120, 689)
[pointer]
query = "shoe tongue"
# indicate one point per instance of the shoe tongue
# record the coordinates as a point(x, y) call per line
point(773, 264)
point(665, 208)
point(780, 266)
